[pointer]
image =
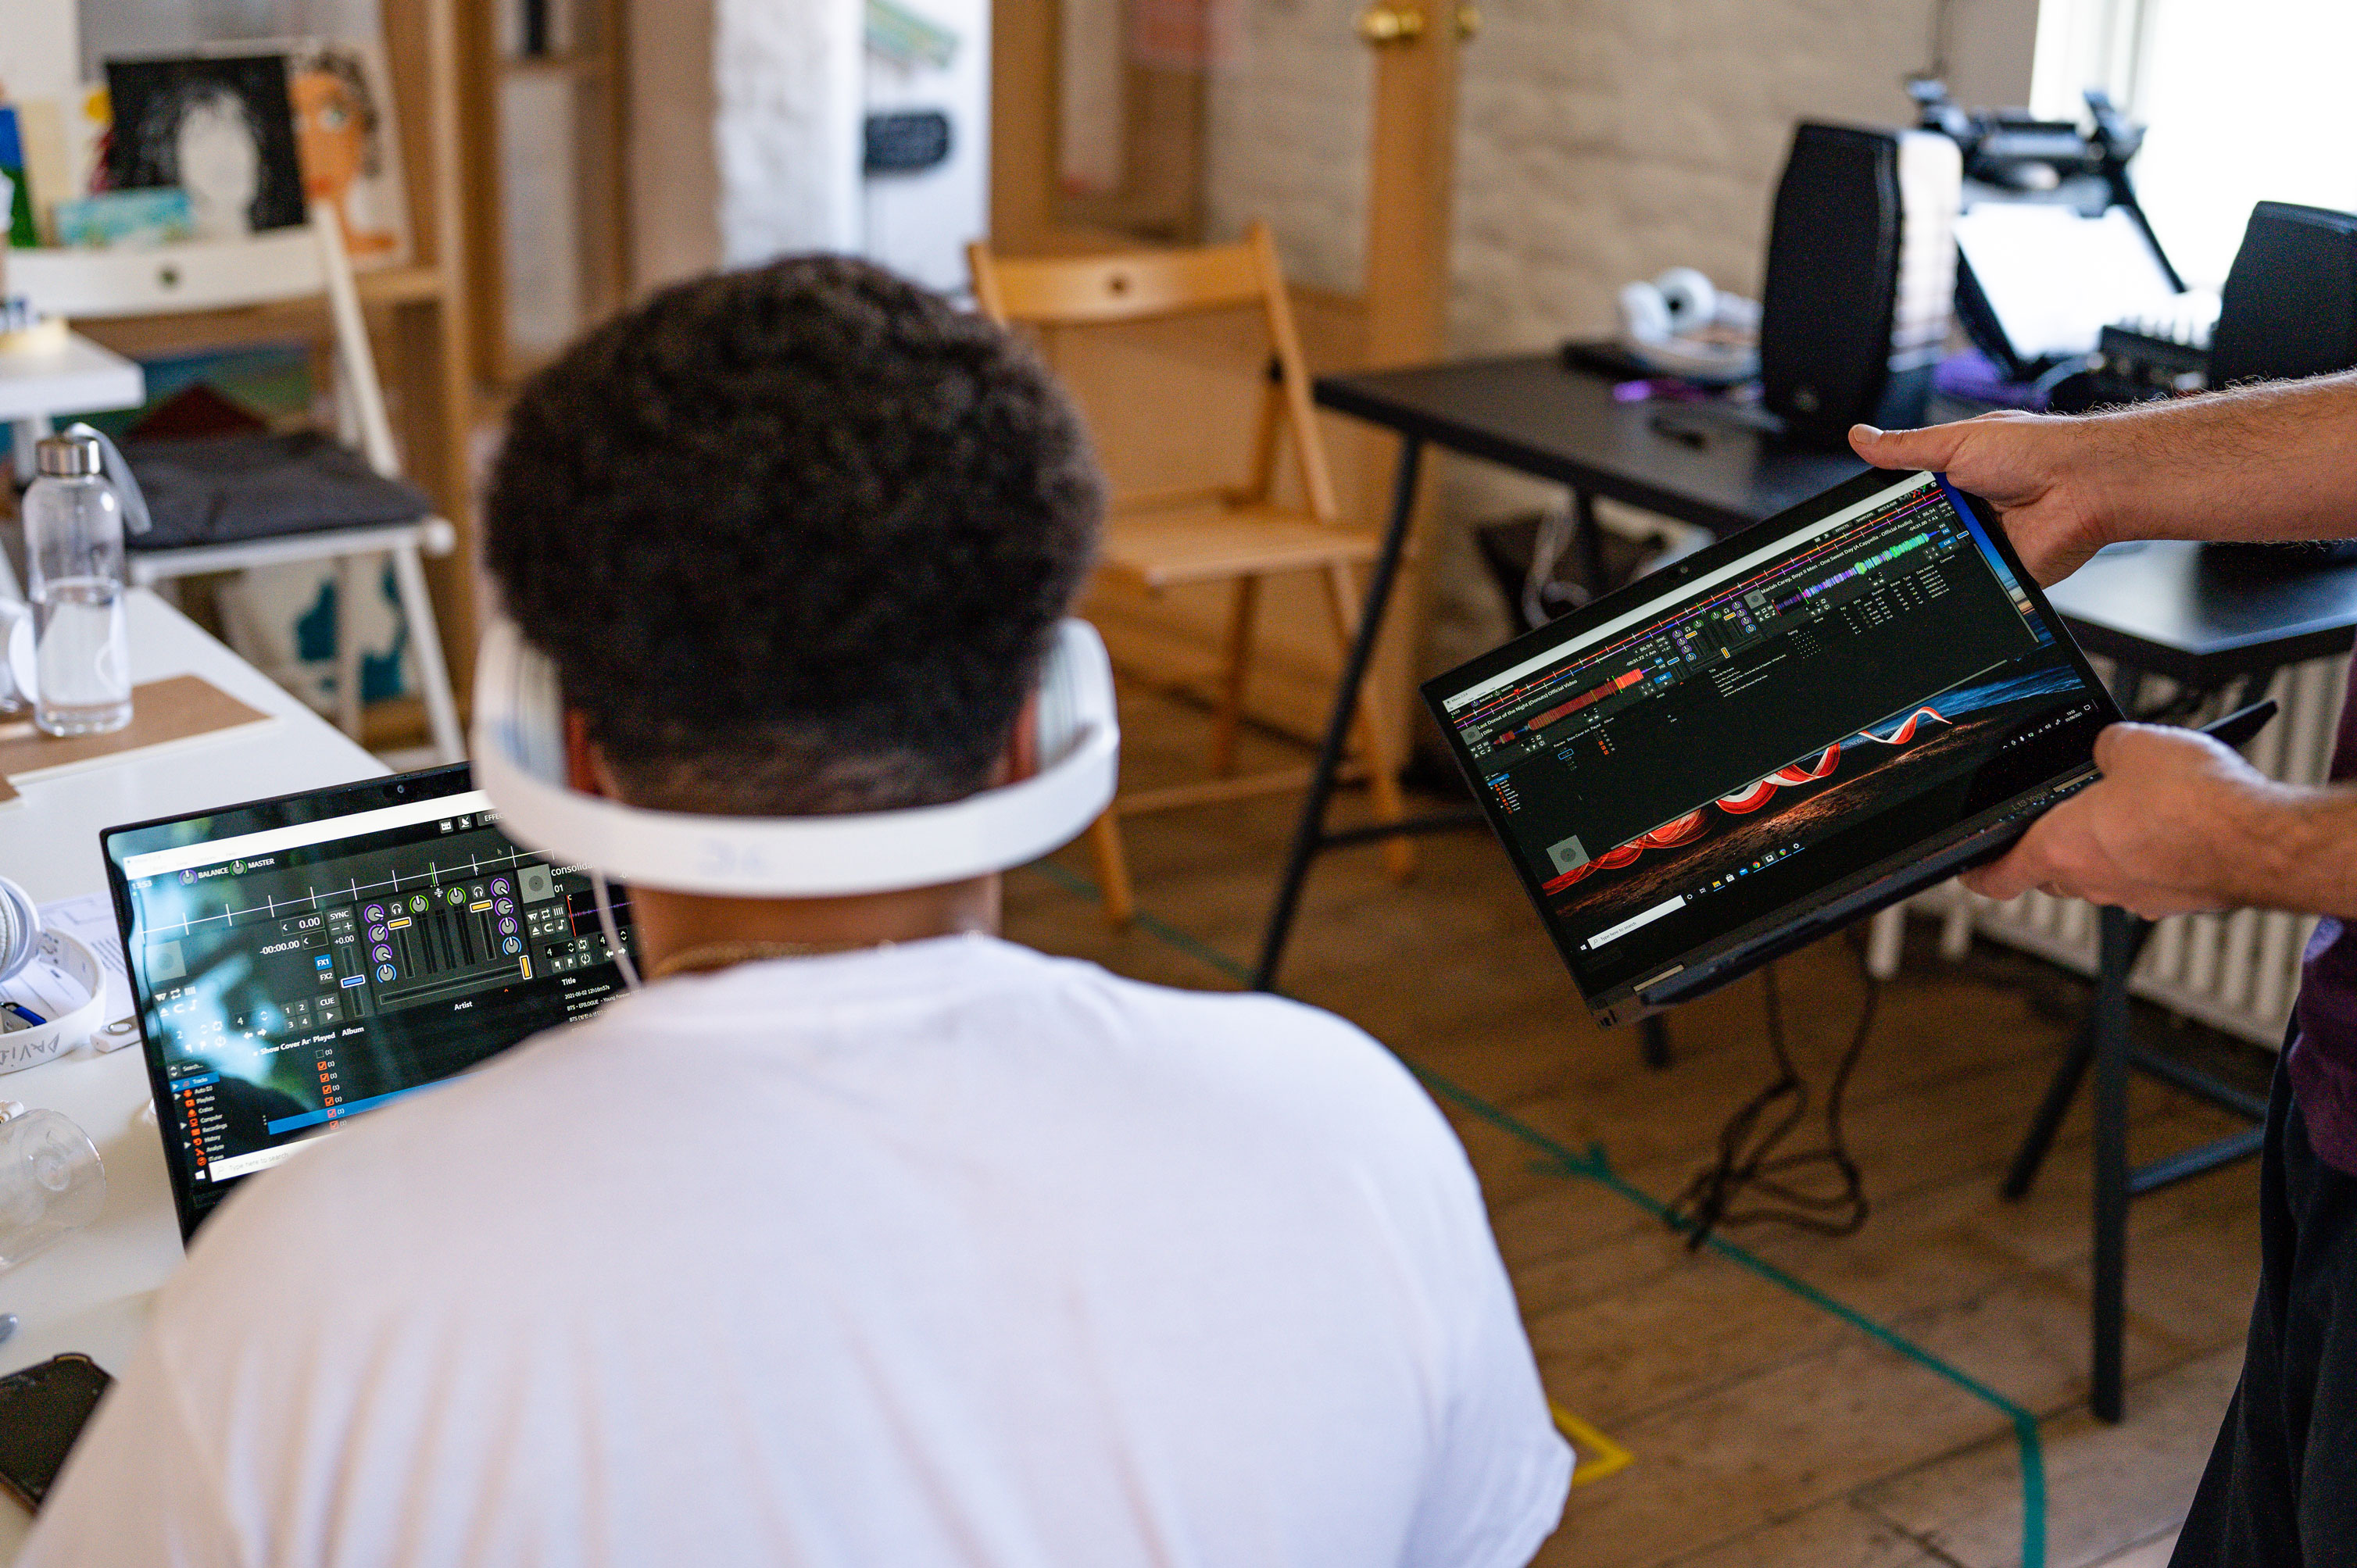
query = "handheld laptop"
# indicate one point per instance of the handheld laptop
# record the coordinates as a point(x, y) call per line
point(298, 962)
point(1810, 720)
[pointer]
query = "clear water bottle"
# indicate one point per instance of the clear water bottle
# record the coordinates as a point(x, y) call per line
point(52, 1182)
point(73, 544)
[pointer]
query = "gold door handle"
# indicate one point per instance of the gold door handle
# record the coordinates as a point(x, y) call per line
point(1386, 24)
point(1383, 24)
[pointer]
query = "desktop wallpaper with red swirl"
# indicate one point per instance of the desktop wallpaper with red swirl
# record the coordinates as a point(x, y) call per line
point(1803, 801)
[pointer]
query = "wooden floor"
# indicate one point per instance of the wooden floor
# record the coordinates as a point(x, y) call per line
point(1766, 1428)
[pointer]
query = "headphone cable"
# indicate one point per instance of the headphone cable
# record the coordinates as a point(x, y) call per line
point(1748, 1160)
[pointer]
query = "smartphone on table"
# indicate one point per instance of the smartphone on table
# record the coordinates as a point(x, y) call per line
point(42, 1411)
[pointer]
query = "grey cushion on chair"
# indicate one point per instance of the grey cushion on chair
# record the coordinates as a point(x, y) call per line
point(216, 489)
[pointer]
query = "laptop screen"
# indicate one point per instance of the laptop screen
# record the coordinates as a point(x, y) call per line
point(299, 961)
point(1724, 741)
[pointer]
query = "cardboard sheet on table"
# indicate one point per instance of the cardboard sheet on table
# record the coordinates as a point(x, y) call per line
point(163, 712)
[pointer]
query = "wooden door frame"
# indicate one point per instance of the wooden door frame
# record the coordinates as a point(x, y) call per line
point(1411, 185)
point(1169, 115)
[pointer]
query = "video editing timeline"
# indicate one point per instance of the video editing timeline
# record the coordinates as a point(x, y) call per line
point(289, 990)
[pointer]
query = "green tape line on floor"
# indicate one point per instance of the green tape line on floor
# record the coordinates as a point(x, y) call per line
point(1593, 1165)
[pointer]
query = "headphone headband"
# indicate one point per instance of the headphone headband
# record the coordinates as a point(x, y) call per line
point(519, 759)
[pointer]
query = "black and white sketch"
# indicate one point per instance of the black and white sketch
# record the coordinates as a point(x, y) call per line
point(221, 127)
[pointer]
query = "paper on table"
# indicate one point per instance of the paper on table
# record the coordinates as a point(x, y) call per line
point(91, 918)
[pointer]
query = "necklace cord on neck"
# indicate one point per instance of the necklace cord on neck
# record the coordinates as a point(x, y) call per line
point(613, 935)
point(723, 954)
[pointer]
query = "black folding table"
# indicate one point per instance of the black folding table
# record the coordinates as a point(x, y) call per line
point(2202, 618)
point(1703, 464)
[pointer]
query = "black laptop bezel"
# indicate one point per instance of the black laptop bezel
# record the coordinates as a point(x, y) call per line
point(294, 808)
point(1735, 953)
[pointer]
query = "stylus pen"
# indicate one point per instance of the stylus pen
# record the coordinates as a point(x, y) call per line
point(2239, 728)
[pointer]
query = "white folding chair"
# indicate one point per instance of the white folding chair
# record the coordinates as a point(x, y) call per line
point(306, 263)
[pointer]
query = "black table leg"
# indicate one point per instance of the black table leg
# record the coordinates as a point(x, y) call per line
point(2254, 686)
point(1590, 536)
point(2128, 690)
point(2032, 1154)
point(1654, 1039)
point(1309, 833)
point(2111, 1063)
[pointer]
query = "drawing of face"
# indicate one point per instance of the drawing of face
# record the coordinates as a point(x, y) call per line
point(328, 133)
point(220, 168)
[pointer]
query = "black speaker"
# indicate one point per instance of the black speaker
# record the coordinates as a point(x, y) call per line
point(1861, 279)
point(2289, 307)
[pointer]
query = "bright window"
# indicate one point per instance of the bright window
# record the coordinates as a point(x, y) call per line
point(2246, 101)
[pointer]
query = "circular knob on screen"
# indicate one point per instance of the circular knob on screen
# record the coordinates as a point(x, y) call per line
point(511, 947)
point(374, 912)
point(376, 933)
point(500, 885)
point(385, 971)
point(381, 953)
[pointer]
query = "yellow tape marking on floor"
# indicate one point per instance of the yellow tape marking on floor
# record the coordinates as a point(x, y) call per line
point(1598, 1456)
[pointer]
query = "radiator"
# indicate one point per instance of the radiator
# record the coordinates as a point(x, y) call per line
point(2236, 973)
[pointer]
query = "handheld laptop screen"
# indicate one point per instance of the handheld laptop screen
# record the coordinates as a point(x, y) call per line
point(1721, 742)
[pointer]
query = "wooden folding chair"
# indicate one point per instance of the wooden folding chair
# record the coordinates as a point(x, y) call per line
point(1237, 534)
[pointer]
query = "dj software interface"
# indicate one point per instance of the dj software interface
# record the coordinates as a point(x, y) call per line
point(291, 988)
point(1703, 696)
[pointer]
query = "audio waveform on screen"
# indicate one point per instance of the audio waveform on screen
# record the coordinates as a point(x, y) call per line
point(1742, 802)
point(1594, 694)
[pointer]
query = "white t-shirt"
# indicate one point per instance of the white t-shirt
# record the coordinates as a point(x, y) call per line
point(950, 1253)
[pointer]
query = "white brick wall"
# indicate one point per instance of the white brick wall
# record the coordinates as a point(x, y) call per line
point(1598, 141)
point(787, 134)
point(1289, 137)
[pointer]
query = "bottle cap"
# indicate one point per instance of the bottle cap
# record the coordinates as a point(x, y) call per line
point(66, 456)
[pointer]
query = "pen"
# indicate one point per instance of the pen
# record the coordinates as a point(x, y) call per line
point(2239, 728)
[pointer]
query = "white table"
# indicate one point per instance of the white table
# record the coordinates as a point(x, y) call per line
point(75, 379)
point(90, 1292)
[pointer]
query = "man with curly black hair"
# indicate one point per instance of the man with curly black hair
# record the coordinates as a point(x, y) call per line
point(860, 1237)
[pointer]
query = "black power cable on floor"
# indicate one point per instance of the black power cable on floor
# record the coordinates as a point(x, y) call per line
point(1748, 1160)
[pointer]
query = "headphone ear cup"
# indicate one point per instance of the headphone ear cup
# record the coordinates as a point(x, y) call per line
point(520, 702)
point(1644, 314)
point(20, 928)
point(1693, 303)
point(1075, 689)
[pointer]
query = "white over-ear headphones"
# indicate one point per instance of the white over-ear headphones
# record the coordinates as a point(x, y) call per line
point(23, 943)
point(519, 757)
point(1662, 323)
point(1674, 305)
